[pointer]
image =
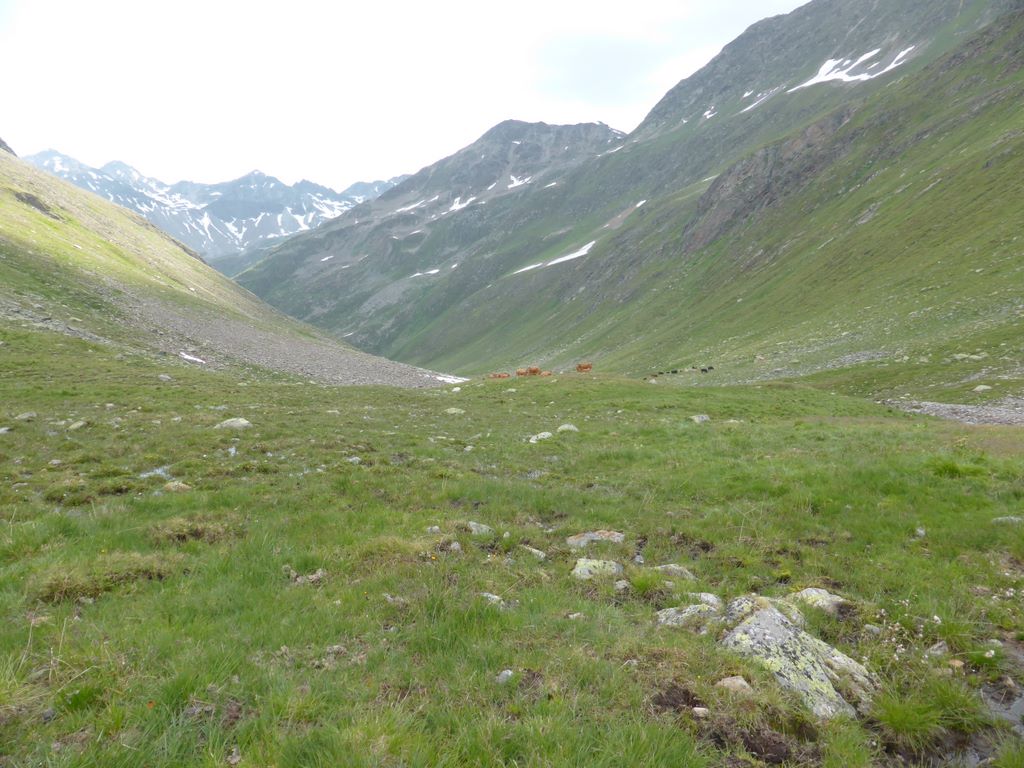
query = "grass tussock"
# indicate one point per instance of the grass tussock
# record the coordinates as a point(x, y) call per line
point(179, 530)
point(106, 573)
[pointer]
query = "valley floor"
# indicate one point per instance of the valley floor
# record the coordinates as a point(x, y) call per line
point(356, 578)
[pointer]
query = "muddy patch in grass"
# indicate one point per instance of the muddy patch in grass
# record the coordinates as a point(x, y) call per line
point(676, 698)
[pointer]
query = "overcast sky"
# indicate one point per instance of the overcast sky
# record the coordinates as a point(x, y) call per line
point(335, 92)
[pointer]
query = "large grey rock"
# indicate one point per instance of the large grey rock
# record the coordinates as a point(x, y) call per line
point(812, 669)
point(587, 569)
point(581, 540)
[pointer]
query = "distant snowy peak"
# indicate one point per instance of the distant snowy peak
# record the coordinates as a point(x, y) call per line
point(217, 220)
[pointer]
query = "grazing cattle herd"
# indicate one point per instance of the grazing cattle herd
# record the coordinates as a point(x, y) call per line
point(534, 370)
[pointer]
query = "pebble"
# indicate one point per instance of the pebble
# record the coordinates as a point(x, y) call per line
point(77, 426)
point(700, 418)
point(454, 411)
point(165, 377)
point(492, 599)
point(504, 676)
point(176, 486)
point(354, 460)
point(983, 388)
point(541, 436)
point(701, 712)
point(27, 416)
point(434, 529)
point(568, 428)
point(479, 529)
point(455, 547)
point(575, 616)
point(622, 586)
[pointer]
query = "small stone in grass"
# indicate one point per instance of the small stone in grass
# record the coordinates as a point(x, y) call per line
point(504, 676)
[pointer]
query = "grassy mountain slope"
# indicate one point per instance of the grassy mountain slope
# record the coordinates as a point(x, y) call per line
point(75, 264)
point(889, 229)
point(482, 315)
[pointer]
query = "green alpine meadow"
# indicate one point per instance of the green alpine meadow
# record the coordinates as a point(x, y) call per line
point(697, 446)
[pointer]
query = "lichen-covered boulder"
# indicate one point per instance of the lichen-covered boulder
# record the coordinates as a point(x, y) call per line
point(801, 663)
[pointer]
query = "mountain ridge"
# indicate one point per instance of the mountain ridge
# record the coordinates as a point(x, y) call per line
point(219, 220)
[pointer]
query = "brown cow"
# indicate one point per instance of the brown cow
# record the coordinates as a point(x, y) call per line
point(521, 372)
point(545, 373)
point(584, 367)
point(533, 370)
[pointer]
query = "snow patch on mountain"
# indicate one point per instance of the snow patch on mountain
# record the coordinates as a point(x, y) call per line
point(843, 70)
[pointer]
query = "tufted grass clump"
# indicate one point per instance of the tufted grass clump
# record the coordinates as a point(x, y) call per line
point(106, 573)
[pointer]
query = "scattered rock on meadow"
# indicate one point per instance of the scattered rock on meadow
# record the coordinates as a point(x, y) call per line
point(479, 529)
point(504, 676)
point(707, 599)
point(983, 388)
point(434, 529)
point(700, 418)
point(297, 578)
point(1010, 520)
point(176, 486)
point(493, 599)
point(820, 598)
point(77, 425)
point(237, 423)
point(4, 430)
point(801, 663)
point(701, 713)
point(675, 571)
point(622, 586)
point(541, 436)
point(692, 616)
point(27, 416)
point(735, 684)
point(587, 569)
point(165, 377)
point(454, 411)
point(533, 551)
point(400, 602)
point(581, 540)
point(940, 648)
point(568, 428)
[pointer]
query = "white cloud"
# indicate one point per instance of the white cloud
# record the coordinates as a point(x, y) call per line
point(334, 92)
